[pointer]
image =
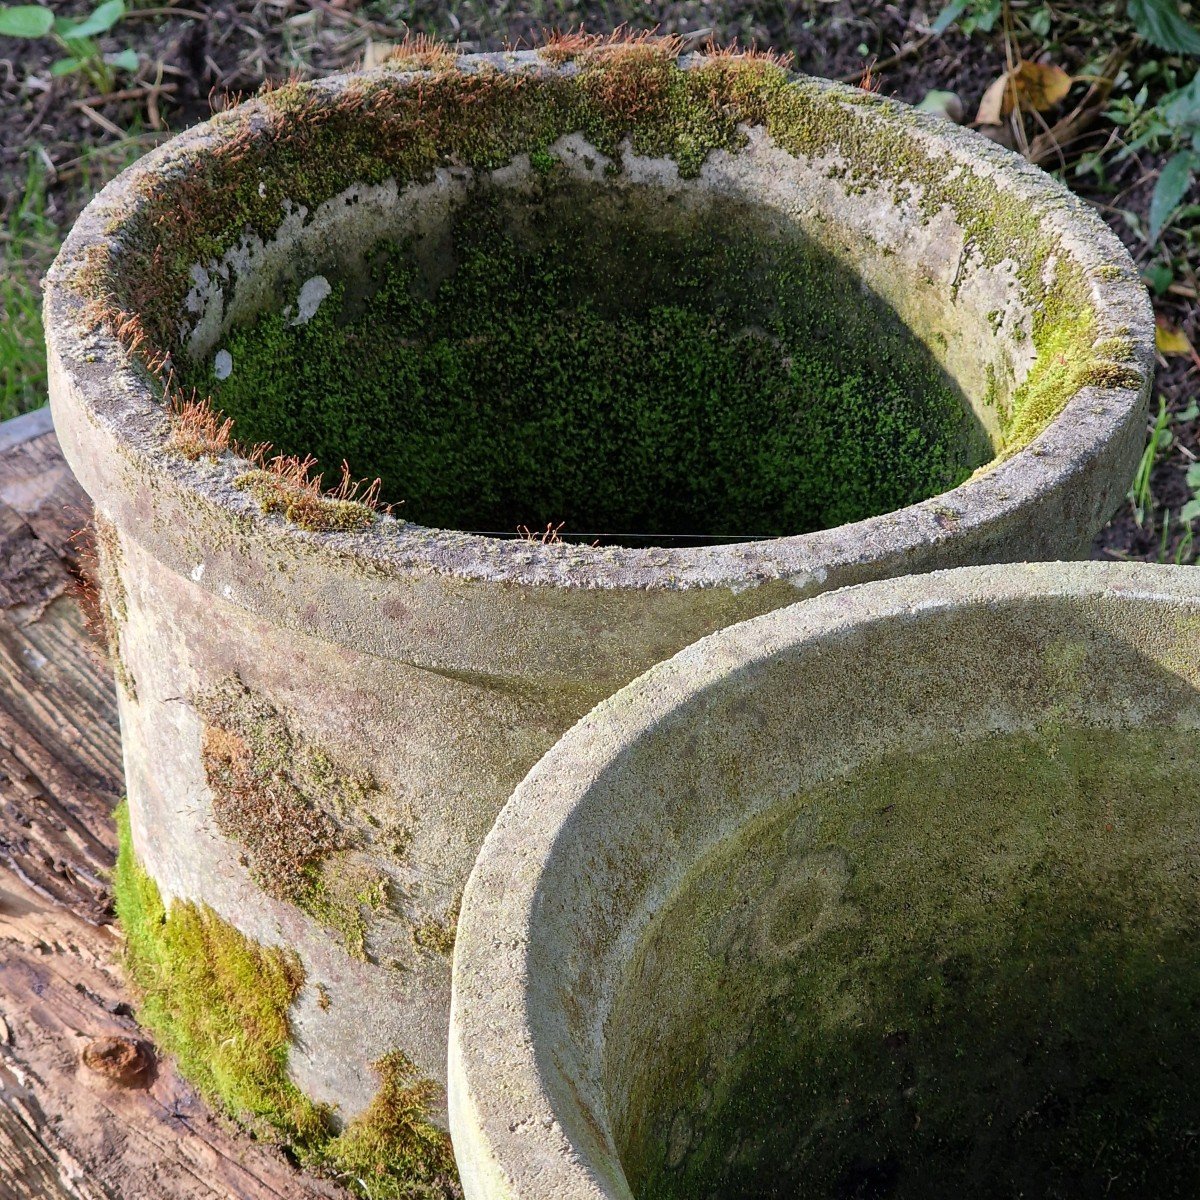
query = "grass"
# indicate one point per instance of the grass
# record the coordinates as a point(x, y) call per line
point(28, 240)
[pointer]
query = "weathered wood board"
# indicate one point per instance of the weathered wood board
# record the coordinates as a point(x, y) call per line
point(68, 1132)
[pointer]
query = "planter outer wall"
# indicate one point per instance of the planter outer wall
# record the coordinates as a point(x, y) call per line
point(562, 985)
point(445, 665)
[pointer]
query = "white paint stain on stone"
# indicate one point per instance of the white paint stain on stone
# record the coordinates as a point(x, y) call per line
point(197, 572)
point(312, 292)
point(223, 364)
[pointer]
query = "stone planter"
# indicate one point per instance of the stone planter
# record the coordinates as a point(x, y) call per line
point(673, 304)
point(890, 893)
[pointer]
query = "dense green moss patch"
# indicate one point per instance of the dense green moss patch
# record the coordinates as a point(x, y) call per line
point(290, 809)
point(975, 971)
point(215, 1001)
point(218, 1003)
point(391, 1149)
point(592, 355)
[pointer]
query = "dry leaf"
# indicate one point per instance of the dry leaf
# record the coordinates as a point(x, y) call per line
point(1170, 340)
point(1037, 86)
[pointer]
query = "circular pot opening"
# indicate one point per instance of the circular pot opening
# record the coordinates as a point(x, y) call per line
point(972, 971)
point(839, 903)
point(621, 361)
point(611, 294)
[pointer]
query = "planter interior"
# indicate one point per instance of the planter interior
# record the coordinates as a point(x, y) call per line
point(625, 359)
point(846, 902)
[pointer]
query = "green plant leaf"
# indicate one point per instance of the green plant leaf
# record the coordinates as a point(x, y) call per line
point(25, 21)
point(1181, 109)
point(101, 19)
point(1190, 511)
point(1193, 477)
point(66, 66)
point(1170, 189)
point(126, 60)
point(949, 15)
point(1161, 24)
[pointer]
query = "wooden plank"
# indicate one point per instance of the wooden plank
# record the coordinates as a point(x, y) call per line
point(68, 1132)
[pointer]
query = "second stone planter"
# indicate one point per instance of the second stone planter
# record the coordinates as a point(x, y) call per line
point(754, 336)
point(891, 893)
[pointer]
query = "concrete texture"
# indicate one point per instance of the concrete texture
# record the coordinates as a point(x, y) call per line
point(684, 950)
point(444, 664)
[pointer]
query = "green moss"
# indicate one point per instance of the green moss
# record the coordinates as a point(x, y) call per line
point(1117, 348)
point(391, 1151)
point(972, 971)
point(218, 1003)
point(310, 146)
point(1064, 333)
point(284, 802)
point(1110, 375)
point(589, 355)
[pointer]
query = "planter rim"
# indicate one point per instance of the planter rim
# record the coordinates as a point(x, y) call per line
point(503, 1113)
point(113, 394)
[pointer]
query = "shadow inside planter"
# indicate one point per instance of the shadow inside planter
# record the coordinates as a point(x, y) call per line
point(629, 360)
point(973, 971)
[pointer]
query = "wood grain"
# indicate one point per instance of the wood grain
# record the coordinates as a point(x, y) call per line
point(66, 1132)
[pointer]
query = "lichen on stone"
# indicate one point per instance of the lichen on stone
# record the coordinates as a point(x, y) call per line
point(291, 810)
point(110, 609)
point(437, 934)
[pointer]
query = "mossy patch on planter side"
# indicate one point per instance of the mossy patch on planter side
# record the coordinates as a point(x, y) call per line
point(595, 356)
point(290, 809)
point(974, 971)
point(218, 1003)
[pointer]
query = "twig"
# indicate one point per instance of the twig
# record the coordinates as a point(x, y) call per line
point(884, 63)
point(129, 14)
point(128, 94)
point(104, 123)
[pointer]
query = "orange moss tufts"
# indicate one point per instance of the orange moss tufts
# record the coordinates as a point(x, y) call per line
point(197, 429)
point(419, 52)
point(285, 484)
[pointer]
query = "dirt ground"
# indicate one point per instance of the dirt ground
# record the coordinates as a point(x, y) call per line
point(72, 135)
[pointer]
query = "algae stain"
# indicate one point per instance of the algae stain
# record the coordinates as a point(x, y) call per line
point(1011, 1011)
point(218, 1002)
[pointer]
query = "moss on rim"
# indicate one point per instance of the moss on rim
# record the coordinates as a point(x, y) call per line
point(218, 1002)
point(304, 144)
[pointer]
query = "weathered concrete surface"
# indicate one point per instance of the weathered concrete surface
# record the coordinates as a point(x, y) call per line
point(664, 891)
point(447, 664)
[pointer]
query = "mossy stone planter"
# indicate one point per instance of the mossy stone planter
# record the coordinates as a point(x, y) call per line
point(665, 302)
point(890, 893)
